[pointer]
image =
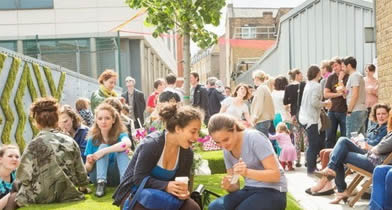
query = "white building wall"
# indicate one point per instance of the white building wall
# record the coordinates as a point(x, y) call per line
point(78, 18)
point(318, 30)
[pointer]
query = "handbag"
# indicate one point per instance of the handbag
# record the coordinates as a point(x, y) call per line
point(325, 121)
point(152, 199)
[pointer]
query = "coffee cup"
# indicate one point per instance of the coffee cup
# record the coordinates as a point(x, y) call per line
point(183, 179)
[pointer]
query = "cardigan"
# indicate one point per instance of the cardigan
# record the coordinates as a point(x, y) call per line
point(146, 157)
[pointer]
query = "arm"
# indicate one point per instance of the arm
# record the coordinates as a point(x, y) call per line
point(316, 99)
point(385, 146)
point(354, 99)
point(329, 94)
point(4, 201)
point(225, 183)
point(121, 146)
point(286, 96)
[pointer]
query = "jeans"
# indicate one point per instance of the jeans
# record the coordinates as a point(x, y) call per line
point(382, 188)
point(337, 119)
point(249, 198)
point(316, 143)
point(111, 172)
point(264, 126)
point(344, 152)
point(356, 122)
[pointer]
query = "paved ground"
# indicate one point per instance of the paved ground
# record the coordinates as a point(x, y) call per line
point(298, 182)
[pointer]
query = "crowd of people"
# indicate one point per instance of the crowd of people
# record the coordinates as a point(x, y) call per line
point(262, 129)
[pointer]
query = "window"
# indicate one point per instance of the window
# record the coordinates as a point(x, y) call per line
point(11, 45)
point(25, 4)
point(248, 32)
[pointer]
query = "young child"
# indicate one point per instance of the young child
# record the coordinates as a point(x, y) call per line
point(288, 153)
point(82, 105)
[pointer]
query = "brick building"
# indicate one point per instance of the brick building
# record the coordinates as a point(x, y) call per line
point(384, 46)
point(249, 33)
point(206, 63)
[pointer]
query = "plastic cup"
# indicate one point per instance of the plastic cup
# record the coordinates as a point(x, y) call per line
point(183, 179)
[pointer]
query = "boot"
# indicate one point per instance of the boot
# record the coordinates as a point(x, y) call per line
point(290, 166)
point(100, 188)
point(283, 165)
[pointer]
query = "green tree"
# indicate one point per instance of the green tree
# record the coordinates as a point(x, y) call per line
point(187, 18)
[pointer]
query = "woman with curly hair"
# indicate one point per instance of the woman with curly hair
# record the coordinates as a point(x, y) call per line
point(51, 166)
point(107, 81)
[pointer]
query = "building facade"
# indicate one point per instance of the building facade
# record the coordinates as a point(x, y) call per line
point(249, 33)
point(82, 36)
point(206, 63)
point(384, 46)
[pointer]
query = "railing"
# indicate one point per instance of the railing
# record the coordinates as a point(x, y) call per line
point(255, 32)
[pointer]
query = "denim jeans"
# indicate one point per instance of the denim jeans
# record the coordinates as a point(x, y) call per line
point(264, 126)
point(316, 144)
point(356, 122)
point(382, 188)
point(249, 198)
point(337, 119)
point(111, 172)
point(344, 152)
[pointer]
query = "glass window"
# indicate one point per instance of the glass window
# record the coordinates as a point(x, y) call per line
point(11, 45)
point(8, 4)
point(35, 4)
point(248, 32)
point(25, 4)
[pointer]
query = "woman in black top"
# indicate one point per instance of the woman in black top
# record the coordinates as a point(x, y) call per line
point(164, 155)
point(293, 98)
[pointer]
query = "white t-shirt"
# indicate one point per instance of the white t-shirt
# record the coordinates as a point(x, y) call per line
point(277, 97)
point(356, 80)
point(234, 110)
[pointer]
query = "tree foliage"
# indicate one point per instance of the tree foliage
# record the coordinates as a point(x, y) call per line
point(185, 16)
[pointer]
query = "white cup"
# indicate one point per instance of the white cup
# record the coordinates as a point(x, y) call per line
point(183, 179)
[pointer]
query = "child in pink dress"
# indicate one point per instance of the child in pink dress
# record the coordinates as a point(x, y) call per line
point(288, 153)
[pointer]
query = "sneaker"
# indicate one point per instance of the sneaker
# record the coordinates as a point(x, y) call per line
point(298, 164)
point(100, 188)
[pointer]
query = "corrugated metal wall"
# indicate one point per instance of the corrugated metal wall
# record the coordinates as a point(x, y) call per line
point(318, 30)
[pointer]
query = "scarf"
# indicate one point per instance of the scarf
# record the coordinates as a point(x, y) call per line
point(106, 92)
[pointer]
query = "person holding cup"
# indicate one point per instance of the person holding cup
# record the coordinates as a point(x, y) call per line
point(247, 153)
point(166, 156)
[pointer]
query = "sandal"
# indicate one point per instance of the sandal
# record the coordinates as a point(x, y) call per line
point(329, 173)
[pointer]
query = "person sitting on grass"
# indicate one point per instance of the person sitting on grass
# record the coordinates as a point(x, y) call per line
point(51, 166)
point(107, 149)
point(71, 123)
point(164, 155)
point(9, 161)
point(247, 153)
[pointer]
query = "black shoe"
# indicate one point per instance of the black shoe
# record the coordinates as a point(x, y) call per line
point(298, 164)
point(100, 188)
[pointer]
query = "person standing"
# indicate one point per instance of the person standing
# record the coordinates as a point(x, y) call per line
point(292, 97)
point(159, 86)
point(262, 108)
point(356, 98)
point(371, 87)
point(214, 96)
point(199, 95)
point(334, 90)
point(134, 98)
point(309, 116)
point(171, 80)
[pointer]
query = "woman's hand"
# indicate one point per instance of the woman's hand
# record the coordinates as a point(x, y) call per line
point(225, 183)
point(179, 189)
point(98, 155)
point(90, 159)
point(240, 168)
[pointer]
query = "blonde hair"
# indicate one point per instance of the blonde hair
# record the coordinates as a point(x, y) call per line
point(281, 127)
point(6, 147)
point(259, 74)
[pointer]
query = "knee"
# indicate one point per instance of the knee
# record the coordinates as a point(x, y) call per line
point(216, 204)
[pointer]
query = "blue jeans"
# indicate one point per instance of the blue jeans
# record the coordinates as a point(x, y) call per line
point(382, 188)
point(344, 152)
point(264, 126)
point(316, 143)
point(337, 119)
point(249, 198)
point(356, 123)
point(111, 172)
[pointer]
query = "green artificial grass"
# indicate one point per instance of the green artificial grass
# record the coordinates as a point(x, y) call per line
point(212, 183)
point(91, 202)
point(215, 161)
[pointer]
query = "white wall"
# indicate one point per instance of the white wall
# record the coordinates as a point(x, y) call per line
point(73, 18)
